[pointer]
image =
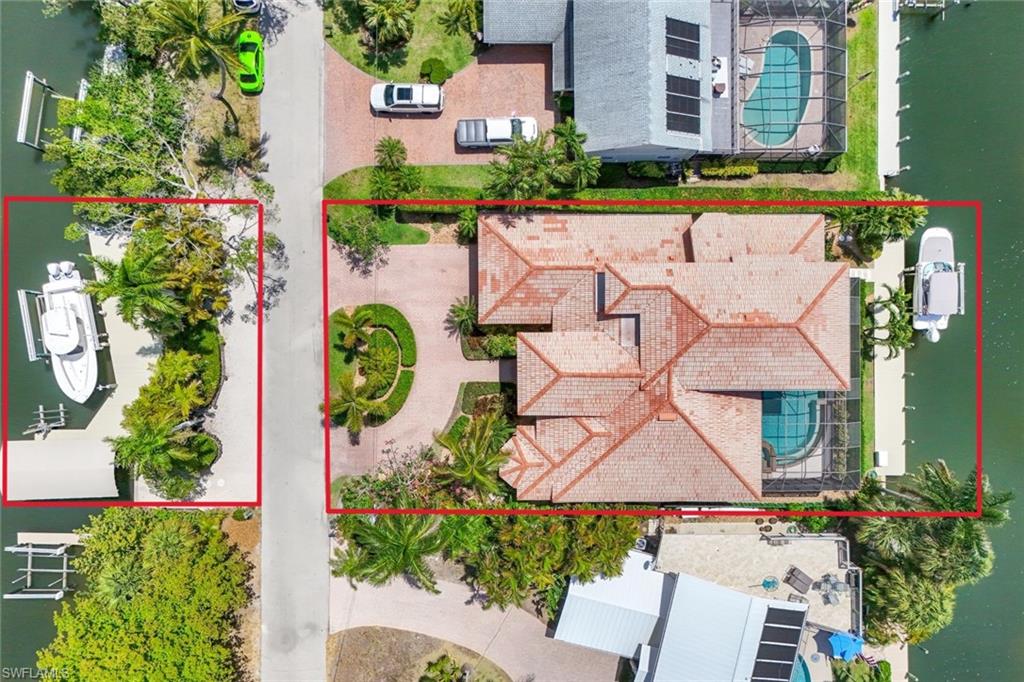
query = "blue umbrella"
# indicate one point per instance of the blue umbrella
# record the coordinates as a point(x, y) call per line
point(845, 646)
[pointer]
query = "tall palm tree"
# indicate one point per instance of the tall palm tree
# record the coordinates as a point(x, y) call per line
point(389, 21)
point(475, 457)
point(352, 404)
point(353, 328)
point(522, 170)
point(390, 153)
point(144, 287)
point(154, 450)
point(382, 547)
point(380, 366)
point(192, 39)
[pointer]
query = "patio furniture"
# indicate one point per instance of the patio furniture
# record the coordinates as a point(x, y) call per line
point(816, 586)
point(797, 599)
point(831, 598)
point(798, 580)
point(841, 587)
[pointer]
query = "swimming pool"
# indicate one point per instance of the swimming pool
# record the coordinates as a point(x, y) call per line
point(800, 671)
point(779, 100)
point(789, 423)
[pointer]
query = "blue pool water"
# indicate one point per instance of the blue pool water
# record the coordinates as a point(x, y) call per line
point(800, 671)
point(789, 422)
point(777, 104)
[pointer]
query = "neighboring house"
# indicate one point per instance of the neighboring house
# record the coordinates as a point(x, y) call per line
point(679, 628)
point(721, 603)
point(670, 79)
point(673, 341)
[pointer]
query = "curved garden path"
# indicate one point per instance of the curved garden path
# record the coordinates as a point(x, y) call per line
point(421, 281)
point(513, 639)
point(503, 80)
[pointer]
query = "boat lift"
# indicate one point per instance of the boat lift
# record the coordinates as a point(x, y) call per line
point(46, 421)
point(35, 94)
point(50, 549)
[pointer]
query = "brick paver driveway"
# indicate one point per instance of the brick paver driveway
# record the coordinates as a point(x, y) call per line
point(421, 281)
point(504, 80)
point(515, 640)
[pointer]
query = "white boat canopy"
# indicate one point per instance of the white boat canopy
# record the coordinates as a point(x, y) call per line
point(59, 469)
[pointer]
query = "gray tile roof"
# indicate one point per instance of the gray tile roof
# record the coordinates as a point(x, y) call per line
point(524, 21)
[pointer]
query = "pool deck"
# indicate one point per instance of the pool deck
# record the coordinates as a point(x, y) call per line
point(890, 385)
point(888, 90)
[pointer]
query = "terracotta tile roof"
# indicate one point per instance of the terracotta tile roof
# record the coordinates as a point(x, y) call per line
point(661, 329)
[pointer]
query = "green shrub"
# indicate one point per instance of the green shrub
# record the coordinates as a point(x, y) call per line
point(242, 514)
point(500, 345)
point(468, 222)
point(206, 447)
point(647, 170)
point(202, 339)
point(566, 104)
point(435, 71)
point(728, 168)
point(391, 318)
point(399, 394)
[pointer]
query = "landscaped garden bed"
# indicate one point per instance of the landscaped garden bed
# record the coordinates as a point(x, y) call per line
point(370, 364)
point(392, 40)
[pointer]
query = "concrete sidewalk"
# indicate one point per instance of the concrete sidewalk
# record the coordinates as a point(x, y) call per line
point(890, 386)
point(514, 639)
point(294, 548)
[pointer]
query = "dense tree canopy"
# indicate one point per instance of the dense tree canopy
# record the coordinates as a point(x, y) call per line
point(161, 594)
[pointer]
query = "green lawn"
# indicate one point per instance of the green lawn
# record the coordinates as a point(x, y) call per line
point(867, 393)
point(861, 157)
point(401, 233)
point(342, 26)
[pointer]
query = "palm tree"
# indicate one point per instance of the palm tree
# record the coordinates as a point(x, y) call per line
point(352, 404)
point(380, 365)
point(384, 184)
point(170, 539)
point(353, 328)
point(384, 546)
point(192, 39)
point(390, 153)
point(144, 288)
point(902, 607)
point(522, 170)
point(389, 21)
point(119, 582)
point(462, 315)
point(475, 457)
point(154, 450)
point(462, 16)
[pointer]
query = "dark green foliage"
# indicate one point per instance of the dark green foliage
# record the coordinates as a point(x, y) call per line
point(204, 340)
point(391, 318)
point(458, 427)
point(435, 71)
point(161, 593)
point(728, 168)
point(474, 391)
point(500, 345)
point(860, 671)
point(468, 224)
point(360, 233)
point(463, 316)
point(379, 363)
point(651, 170)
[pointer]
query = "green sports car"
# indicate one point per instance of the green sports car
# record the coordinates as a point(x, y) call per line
point(250, 54)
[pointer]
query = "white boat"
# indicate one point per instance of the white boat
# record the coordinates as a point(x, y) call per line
point(938, 283)
point(69, 335)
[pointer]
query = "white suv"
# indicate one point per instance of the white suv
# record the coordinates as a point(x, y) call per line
point(407, 98)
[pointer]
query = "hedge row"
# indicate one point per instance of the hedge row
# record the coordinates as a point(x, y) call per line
point(399, 394)
point(728, 168)
point(391, 318)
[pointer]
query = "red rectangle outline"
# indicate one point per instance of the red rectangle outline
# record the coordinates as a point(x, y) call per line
point(976, 205)
point(259, 351)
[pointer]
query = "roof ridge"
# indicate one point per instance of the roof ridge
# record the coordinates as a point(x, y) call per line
point(841, 271)
point(607, 453)
point(515, 285)
point(707, 441)
point(819, 221)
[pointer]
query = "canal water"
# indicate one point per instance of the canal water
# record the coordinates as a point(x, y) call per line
point(966, 94)
point(60, 50)
point(36, 233)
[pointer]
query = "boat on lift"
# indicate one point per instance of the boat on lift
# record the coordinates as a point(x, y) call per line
point(69, 334)
point(938, 283)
